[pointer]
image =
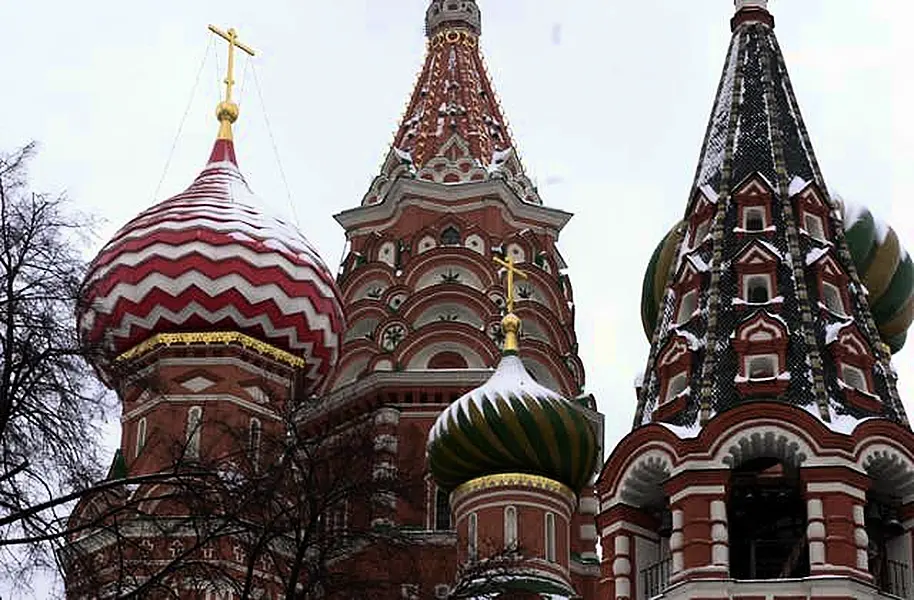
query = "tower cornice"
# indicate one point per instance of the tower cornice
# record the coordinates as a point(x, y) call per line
point(455, 198)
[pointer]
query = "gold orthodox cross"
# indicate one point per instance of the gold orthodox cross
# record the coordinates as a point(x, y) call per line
point(230, 36)
point(512, 271)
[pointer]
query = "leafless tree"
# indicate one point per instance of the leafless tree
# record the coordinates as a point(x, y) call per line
point(287, 518)
point(50, 403)
point(491, 575)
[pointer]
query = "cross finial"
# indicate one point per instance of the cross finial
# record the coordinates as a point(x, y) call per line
point(227, 111)
point(512, 270)
point(510, 324)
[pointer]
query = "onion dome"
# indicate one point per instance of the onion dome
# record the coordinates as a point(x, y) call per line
point(208, 262)
point(884, 267)
point(511, 424)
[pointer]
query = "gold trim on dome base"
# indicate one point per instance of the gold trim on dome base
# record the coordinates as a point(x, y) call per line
point(214, 337)
point(513, 479)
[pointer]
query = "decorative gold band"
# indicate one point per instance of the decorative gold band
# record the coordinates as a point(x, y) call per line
point(453, 36)
point(511, 480)
point(213, 337)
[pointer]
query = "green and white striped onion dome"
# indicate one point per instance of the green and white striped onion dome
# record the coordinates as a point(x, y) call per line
point(511, 424)
point(884, 267)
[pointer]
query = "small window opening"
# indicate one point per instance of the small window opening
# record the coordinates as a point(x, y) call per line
point(442, 510)
point(472, 548)
point(701, 232)
point(758, 289)
point(687, 306)
point(450, 236)
point(767, 522)
point(194, 425)
point(677, 385)
point(854, 377)
point(510, 528)
point(813, 225)
point(140, 436)
point(550, 537)
point(754, 219)
point(832, 298)
point(886, 550)
point(761, 367)
point(254, 434)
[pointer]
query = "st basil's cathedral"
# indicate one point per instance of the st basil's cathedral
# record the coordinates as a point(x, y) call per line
point(770, 455)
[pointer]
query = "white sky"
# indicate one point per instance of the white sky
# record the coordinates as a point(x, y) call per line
point(608, 102)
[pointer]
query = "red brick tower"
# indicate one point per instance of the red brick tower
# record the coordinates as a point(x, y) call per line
point(422, 301)
point(771, 456)
point(211, 320)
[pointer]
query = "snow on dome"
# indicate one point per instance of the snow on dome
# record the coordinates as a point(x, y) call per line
point(511, 424)
point(206, 260)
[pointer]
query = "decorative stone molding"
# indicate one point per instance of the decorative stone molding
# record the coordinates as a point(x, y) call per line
point(622, 567)
point(815, 532)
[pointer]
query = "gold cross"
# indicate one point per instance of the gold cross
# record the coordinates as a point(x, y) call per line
point(512, 271)
point(230, 36)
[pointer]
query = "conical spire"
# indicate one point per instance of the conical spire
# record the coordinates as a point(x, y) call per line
point(453, 130)
point(755, 295)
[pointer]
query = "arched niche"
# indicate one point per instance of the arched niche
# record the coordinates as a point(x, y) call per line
point(449, 312)
point(447, 359)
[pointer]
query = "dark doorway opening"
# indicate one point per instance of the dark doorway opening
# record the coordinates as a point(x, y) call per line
point(767, 522)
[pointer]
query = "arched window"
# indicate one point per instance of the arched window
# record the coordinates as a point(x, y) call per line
point(472, 548)
point(254, 435)
point(754, 218)
point(450, 236)
point(194, 425)
point(758, 289)
point(831, 297)
point(447, 360)
point(678, 383)
point(762, 367)
point(510, 528)
point(140, 436)
point(550, 537)
point(442, 510)
point(701, 232)
point(813, 225)
point(854, 377)
point(687, 305)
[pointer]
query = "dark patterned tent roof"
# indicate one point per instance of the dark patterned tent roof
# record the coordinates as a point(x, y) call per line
point(757, 152)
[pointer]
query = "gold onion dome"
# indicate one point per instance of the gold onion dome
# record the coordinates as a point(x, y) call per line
point(511, 424)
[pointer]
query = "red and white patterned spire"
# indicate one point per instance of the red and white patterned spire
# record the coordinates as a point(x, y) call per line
point(453, 130)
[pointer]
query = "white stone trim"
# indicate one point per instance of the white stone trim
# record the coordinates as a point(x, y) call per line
point(698, 490)
point(467, 197)
point(626, 526)
point(212, 361)
point(835, 488)
point(200, 399)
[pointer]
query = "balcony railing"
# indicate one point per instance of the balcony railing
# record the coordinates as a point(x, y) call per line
point(892, 579)
point(656, 578)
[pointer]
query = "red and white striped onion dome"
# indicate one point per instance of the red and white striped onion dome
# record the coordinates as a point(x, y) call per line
point(205, 261)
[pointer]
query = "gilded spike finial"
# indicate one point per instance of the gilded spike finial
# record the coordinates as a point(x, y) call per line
point(227, 110)
point(510, 324)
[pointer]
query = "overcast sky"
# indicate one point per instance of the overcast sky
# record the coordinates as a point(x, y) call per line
point(608, 102)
